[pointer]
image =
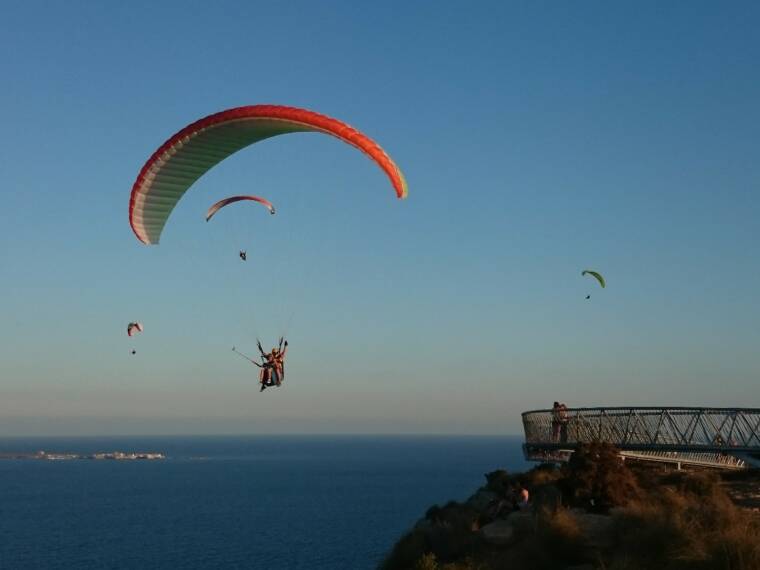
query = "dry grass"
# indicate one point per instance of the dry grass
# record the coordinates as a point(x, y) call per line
point(560, 536)
point(430, 562)
point(688, 523)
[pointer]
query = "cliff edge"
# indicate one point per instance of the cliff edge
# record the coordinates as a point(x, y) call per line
point(596, 512)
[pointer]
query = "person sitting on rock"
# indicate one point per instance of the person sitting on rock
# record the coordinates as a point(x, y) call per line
point(523, 498)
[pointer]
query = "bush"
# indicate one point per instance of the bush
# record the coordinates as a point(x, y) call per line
point(541, 475)
point(561, 537)
point(498, 482)
point(427, 562)
point(596, 478)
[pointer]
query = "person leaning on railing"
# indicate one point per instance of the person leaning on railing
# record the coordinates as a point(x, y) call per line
point(556, 415)
point(564, 419)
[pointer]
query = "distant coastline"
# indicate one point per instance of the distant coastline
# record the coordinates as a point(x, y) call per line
point(107, 455)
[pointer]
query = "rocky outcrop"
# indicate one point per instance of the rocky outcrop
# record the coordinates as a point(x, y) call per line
point(573, 525)
point(481, 499)
point(498, 532)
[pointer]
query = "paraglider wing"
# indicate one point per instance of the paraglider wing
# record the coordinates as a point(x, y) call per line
point(190, 153)
point(596, 275)
point(227, 201)
point(134, 328)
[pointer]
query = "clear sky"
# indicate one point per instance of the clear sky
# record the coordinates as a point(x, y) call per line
point(538, 139)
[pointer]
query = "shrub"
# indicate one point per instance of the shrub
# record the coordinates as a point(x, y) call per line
point(541, 475)
point(597, 478)
point(498, 481)
point(560, 536)
point(427, 562)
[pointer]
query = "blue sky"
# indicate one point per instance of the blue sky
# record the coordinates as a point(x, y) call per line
point(538, 139)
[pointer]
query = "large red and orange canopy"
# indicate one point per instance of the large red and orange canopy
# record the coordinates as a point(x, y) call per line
point(190, 153)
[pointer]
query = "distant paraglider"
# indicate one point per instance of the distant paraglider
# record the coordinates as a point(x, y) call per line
point(132, 330)
point(197, 148)
point(227, 201)
point(231, 200)
point(596, 275)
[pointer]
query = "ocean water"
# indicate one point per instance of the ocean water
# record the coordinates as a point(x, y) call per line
point(283, 502)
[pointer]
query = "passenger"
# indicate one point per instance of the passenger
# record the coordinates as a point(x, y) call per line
point(273, 365)
point(266, 376)
point(278, 356)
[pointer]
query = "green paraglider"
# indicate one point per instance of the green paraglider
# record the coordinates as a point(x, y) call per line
point(596, 275)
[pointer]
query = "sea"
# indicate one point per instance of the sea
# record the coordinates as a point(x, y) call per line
point(268, 502)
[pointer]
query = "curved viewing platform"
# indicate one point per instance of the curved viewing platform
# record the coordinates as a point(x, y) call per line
point(717, 437)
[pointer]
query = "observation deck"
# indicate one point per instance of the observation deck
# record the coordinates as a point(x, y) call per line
point(727, 438)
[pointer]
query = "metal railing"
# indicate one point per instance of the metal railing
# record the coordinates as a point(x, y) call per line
point(684, 435)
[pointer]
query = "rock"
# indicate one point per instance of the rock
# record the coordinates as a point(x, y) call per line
point(522, 521)
point(498, 532)
point(595, 528)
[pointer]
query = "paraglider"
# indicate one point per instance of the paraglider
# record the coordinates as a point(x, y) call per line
point(186, 156)
point(596, 275)
point(273, 369)
point(272, 365)
point(132, 329)
point(227, 201)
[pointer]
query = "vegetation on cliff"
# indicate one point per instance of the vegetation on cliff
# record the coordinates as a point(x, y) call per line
point(594, 512)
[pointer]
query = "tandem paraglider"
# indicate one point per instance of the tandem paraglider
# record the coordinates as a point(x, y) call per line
point(272, 366)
